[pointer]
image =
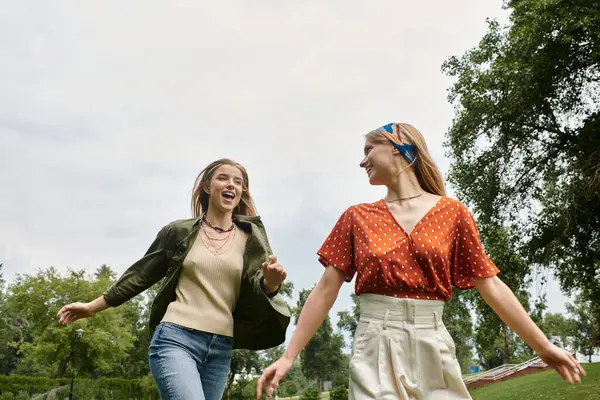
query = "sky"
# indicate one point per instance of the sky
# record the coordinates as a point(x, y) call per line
point(109, 110)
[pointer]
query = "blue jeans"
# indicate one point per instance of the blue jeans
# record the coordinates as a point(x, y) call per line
point(189, 364)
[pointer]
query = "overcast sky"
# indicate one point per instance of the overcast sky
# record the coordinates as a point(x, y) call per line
point(109, 109)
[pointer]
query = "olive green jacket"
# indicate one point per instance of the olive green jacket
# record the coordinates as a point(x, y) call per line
point(259, 321)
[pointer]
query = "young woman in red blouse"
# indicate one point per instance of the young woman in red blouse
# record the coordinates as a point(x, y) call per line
point(407, 252)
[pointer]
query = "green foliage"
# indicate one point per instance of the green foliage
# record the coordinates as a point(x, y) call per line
point(242, 389)
point(243, 362)
point(311, 393)
point(526, 134)
point(293, 382)
point(83, 388)
point(287, 289)
point(338, 393)
point(45, 346)
point(322, 357)
point(10, 331)
point(561, 327)
point(495, 343)
point(457, 319)
point(586, 326)
point(348, 321)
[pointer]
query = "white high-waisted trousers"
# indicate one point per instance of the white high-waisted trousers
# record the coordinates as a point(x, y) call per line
point(402, 350)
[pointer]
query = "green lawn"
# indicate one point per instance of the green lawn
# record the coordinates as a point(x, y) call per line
point(544, 385)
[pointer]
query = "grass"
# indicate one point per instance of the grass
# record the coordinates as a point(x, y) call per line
point(324, 396)
point(544, 385)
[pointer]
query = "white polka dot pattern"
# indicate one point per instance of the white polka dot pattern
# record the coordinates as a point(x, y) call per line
point(443, 250)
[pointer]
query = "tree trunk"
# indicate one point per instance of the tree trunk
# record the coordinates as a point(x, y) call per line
point(230, 384)
point(590, 357)
point(62, 368)
point(505, 358)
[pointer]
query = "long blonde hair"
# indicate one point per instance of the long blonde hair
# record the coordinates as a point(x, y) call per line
point(200, 194)
point(424, 167)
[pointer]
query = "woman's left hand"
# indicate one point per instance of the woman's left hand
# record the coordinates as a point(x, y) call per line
point(273, 274)
point(563, 362)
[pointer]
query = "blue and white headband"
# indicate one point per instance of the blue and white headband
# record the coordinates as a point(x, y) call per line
point(407, 150)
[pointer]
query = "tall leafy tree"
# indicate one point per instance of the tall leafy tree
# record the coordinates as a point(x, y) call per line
point(526, 134)
point(348, 320)
point(37, 298)
point(458, 321)
point(9, 332)
point(560, 328)
point(322, 359)
point(586, 324)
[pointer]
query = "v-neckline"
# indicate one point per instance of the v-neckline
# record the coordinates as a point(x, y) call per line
point(429, 211)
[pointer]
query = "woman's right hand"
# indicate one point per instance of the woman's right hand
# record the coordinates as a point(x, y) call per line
point(269, 380)
point(74, 311)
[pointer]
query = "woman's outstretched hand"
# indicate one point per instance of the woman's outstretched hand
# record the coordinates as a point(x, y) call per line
point(269, 380)
point(74, 311)
point(563, 362)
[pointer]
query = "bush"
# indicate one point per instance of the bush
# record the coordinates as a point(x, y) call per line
point(341, 380)
point(311, 393)
point(338, 393)
point(115, 388)
point(288, 388)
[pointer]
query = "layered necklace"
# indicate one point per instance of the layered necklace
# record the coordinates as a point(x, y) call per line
point(217, 243)
point(218, 229)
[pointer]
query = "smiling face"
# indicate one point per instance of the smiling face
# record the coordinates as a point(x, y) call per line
point(225, 188)
point(380, 161)
point(383, 162)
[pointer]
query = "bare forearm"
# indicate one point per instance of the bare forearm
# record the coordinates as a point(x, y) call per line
point(313, 313)
point(98, 304)
point(504, 302)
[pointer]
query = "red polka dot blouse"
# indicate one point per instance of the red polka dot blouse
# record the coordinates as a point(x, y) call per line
point(443, 250)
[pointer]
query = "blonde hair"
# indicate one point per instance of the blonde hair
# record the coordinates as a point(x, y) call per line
point(200, 195)
point(424, 167)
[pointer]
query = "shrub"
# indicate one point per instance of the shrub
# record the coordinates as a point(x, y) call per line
point(338, 393)
point(311, 393)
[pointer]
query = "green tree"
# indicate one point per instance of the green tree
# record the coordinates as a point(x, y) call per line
point(273, 354)
point(37, 298)
point(294, 382)
point(287, 289)
point(137, 314)
point(338, 393)
point(525, 138)
point(9, 332)
point(322, 358)
point(244, 362)
point(560, 327)
point(587, 326)
point(495, 343)
point(348, 320)
point(311, 393)
point(458, 321)
point(243, 388)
